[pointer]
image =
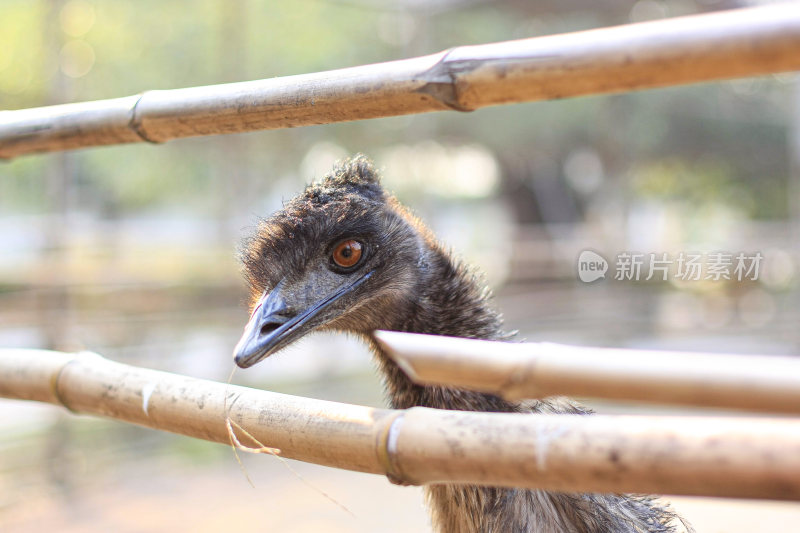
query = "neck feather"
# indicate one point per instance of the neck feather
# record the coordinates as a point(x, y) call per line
point(449, 300)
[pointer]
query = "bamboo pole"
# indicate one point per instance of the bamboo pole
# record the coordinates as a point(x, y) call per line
point(737, 43)
point(736, 457)
point(315, 431)
point(537, 370)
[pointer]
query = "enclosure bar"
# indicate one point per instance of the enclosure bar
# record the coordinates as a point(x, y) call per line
point(729, 44)
point(537, 370)
point(316, 431)
point(735, 457)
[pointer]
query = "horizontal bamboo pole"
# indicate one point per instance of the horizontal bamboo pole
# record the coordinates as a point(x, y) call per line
point(537, 370)
point(315, 431)
point(737, 43)
point(736, 457)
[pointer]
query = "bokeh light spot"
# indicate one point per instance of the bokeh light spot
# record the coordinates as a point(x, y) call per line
point(76, 58)
point(77, 18)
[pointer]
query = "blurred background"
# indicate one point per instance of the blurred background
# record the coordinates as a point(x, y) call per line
point(130, 251)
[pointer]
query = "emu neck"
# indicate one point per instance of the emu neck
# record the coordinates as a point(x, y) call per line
point(448, 300)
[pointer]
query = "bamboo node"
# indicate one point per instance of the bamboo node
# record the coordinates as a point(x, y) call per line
point(441, 82)
point(135, 122)
point(387, 450)
point(56, 377)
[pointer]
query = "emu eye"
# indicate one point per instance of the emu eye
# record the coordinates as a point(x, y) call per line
point(347, 253)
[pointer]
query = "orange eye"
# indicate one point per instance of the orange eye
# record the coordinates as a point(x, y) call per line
point(347, 253)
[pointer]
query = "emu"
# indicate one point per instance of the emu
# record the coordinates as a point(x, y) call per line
point(345, 255)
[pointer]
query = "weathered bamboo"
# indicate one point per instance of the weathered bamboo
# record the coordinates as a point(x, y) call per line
point(327, 433)
point(736, 457)
point(537, 370)
point(745, 42)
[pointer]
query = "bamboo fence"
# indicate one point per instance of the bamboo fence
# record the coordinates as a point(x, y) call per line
point(720, 456)
point(729, 44)
point(734, 457)
point(537, 370)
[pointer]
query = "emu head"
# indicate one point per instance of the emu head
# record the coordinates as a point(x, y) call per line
point(343, 255)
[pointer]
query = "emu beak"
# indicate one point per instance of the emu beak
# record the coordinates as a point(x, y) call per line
point(274, 324)
point(260, 332)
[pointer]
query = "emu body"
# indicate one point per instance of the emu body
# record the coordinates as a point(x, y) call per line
point(345, 255)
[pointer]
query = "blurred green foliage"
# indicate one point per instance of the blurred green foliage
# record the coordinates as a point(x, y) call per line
point(721, 142)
